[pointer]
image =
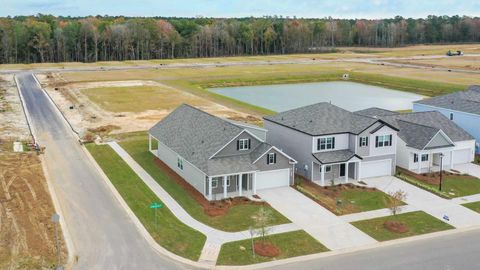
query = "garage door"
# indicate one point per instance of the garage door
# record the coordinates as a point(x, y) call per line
point(376, 168)
point(462, 156)
point(272, 179)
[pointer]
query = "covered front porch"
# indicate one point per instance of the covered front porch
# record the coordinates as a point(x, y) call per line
point(431, 160)
point(335, 167)
point(230, 185)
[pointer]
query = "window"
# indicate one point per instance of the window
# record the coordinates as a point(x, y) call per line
point(327, 168)
point(228, 182)
point(451, 116)
point(383, 140)
point(243, 144)
point(363, 141)
point(424, 157)
point(415, 158)
point(214, 183)
point(180, 163)
point(271, 158)
point(326, 143)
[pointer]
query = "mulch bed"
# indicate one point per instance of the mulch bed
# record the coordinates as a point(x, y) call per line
point(266, 249)
point(211, 208)
point(395, 226)
point(432, 178)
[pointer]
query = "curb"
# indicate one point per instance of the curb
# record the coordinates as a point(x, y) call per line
point(140, 228)
point(53, 195)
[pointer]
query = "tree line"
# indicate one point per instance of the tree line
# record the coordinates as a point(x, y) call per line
point(46, 38)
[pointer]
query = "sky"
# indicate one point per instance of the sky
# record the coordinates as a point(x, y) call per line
point(369, 9)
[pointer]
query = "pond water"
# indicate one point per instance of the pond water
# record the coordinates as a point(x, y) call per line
point(348, 95)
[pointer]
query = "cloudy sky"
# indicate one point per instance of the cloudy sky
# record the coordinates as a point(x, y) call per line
point(242, 8)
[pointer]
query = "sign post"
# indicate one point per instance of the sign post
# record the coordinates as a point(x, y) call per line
point(155, 206)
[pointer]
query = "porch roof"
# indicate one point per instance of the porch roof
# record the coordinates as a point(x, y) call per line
point(335, 156)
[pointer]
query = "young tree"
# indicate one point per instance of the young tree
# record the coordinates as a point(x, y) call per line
point(396, 200)
point(262, 219)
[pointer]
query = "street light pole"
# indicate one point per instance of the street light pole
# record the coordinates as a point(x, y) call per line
point(441, 170)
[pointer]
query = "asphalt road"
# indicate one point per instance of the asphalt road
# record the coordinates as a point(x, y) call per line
point(105, 238)
point(103, 235)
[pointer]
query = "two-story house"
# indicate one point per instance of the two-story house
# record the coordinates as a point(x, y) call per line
point(332, 144)
point(219, 158)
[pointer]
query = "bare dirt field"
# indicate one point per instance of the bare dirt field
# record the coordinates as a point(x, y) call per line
point(13, 125)
point(124, 106)
point(26, 230)
point(453, 62)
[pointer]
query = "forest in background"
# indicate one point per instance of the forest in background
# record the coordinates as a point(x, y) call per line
point(46, 38)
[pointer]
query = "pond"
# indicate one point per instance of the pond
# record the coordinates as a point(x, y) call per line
point(348, 95)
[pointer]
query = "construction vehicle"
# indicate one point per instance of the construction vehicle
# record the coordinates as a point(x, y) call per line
point(454, 53)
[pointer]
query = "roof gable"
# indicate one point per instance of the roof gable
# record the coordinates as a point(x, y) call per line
point(438, 141)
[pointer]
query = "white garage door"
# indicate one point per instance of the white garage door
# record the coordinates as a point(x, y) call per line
point(462, 156)
point(376, 168)
point(271, 179)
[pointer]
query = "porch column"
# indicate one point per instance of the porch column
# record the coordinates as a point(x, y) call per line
point(224, 186)
point(359, 176)
point(149, 142)
point(240, 185)
point(322, 175)
point(209, 188)
point(346, 172)
point(419, 160)
point(254, 183)
point(451, 160)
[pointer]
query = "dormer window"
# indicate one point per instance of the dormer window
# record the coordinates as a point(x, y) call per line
point(243, 144)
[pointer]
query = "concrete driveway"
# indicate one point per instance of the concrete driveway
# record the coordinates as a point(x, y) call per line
point(459, 216)
point(469, 168)
point(323, 225)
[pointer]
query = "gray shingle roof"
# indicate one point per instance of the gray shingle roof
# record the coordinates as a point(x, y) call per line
point(196, 135)
point(322, 118)
point(464, 101)
point(334, 156)
point(376, 112)
point(417, 129)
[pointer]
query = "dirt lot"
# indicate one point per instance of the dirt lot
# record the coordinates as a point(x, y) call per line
point(26, 231)
point(453, 62)
point(118, 104)
point(13, 125)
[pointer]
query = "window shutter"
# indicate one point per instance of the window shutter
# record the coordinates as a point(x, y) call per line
point(376, 141)
point(249, 141)
point(333, 142)
point(274, 157)
point(390, 140)
point(268, 159)
point(360, 141)
point(366, 140)
point(318, 144)
point(238, 144)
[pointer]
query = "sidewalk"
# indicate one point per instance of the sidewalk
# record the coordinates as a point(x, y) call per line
point(376, 213)
point(215, 237)
point(445, 210)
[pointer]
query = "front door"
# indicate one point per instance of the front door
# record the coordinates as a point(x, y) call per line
point(342, 169)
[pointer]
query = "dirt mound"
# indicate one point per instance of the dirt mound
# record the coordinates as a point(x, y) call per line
point(396, 226)
point(213, 208)
point(266, 249)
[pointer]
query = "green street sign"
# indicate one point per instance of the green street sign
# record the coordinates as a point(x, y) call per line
point(156, 205)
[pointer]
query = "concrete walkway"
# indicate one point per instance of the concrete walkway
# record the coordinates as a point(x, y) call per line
point(320, 223)
point(467, 199)
point(215, 237)
point(459, 216)
point(376, 213)
point(468, 168)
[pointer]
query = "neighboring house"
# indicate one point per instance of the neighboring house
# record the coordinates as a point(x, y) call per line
point(330, 143)
point(423, 138)
point(462, 107)
point(219, 158)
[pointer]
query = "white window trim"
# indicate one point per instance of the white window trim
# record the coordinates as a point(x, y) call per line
point(328, 168)
point(424, 155)
point(414, 154)
point(228, 182)
point(272, 160)
point(214, 183)
point(363, 141)
point(383, 139)
point(180, 163)
point(243, 144)
point(326, 143)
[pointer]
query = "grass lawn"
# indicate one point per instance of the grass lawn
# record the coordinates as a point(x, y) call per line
point(353, 199)
point(418, 223)
point(290, 244)
point(170, 232)
point(140, 98)
point(238, 218)
point(475, 206)
point(452, 185)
